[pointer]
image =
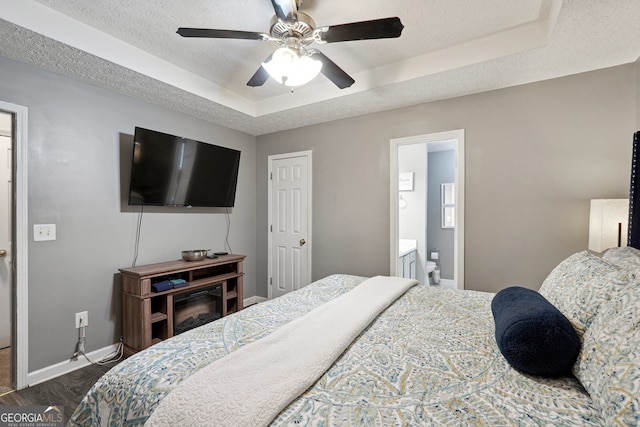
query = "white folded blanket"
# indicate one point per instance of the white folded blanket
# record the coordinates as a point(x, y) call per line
point(251, 386)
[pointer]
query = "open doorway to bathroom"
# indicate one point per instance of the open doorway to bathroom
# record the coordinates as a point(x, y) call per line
point(427, 207)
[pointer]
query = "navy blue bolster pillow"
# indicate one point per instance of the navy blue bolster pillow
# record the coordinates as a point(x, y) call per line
point(532, 334)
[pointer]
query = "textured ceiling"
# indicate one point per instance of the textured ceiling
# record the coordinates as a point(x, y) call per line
point(448, 48)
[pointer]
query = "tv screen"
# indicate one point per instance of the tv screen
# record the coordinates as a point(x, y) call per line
point(169, 170)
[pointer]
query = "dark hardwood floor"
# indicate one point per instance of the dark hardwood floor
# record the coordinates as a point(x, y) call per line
point(66, 390)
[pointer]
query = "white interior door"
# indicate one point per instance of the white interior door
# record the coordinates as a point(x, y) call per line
point(290, 223)
point(5, 241)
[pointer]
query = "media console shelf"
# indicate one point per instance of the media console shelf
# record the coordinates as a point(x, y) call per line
point(147, 316)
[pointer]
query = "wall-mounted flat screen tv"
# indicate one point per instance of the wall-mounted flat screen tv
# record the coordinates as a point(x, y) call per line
point(169, 170)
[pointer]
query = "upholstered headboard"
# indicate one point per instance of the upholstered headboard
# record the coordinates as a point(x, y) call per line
point(634, 199)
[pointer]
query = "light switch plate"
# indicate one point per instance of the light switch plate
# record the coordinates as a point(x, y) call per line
point(43, 232)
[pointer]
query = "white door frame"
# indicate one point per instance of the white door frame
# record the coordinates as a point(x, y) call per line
point(395, 194)
point(309, 155)
point(19, 337)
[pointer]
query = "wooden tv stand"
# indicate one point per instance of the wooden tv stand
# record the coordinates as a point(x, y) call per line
point(147, 316)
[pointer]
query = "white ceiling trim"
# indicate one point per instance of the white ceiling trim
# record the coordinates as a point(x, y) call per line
point(527, 36)
point(521, 38)
point(50, 23)
point(59, 27)
point(469, 53)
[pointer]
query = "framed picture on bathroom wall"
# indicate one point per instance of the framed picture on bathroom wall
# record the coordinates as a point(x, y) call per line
point(448, 216)
point(405, 181)
point(447, 194)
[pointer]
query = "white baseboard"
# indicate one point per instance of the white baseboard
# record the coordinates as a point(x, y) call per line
point(448, 283)
point(253, 300)
point(64, 367)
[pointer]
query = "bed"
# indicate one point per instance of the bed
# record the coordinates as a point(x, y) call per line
point(428, 357)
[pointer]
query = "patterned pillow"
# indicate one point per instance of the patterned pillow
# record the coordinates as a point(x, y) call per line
point(626, 257)
point(608, 365)
point(579, 285)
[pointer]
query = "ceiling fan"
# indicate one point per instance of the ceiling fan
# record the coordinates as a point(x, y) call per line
point(294, 63)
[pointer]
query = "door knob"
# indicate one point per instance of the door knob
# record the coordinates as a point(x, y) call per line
point(302, 242)
point(3, 252)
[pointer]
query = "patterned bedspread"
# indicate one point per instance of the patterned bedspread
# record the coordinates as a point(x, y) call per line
point(429, 359)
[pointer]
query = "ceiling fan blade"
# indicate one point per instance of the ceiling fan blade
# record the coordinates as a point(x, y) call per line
point(285, 10)
point(331, 71)
point(261, 76)
point(221, 34)
point(385, 28)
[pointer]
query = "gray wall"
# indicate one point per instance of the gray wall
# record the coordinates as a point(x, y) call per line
point(638, 94)
point(75, 133)
point(535, 155)
point(441, 171)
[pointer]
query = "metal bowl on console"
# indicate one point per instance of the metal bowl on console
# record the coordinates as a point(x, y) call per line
point(195, 255)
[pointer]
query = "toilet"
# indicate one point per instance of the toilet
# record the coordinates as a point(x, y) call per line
point(430, 266)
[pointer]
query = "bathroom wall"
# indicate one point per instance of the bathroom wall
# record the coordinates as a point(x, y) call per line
point(441, 170)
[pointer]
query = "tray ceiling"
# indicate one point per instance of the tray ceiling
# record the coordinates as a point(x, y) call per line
point(447, 49)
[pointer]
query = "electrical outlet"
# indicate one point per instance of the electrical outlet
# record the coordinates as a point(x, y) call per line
point(42, 232)
point(84, 315)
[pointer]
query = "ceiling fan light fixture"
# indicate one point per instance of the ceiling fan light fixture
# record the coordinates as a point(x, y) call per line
point(288, 67)
point(293, 64)
point(282, 62)
point(306, 69)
